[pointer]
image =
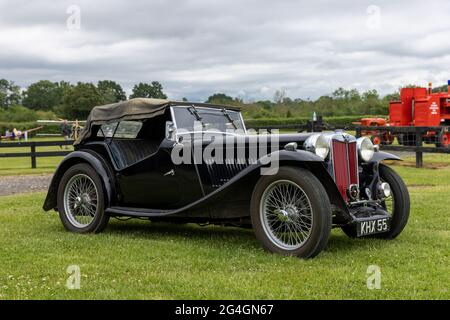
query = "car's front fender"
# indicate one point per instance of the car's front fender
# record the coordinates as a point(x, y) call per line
point(381, 155)
point(288, 155)
point(269, 165)
point(90, 157)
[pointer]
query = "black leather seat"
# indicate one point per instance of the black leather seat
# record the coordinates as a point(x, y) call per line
point(129, 151)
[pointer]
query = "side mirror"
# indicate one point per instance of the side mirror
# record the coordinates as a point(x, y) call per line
point(171, 131)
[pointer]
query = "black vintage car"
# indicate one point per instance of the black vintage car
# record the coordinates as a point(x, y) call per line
point(193, 162)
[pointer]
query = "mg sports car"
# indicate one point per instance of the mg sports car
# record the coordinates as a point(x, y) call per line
point(189, 162)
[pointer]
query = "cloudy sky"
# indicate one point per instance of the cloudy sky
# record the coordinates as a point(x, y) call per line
point(247, 48)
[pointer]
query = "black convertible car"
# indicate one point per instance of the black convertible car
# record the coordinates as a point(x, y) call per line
point(193, 162)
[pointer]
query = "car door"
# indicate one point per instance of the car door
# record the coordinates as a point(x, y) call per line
point(146, 175)
point(157, 183)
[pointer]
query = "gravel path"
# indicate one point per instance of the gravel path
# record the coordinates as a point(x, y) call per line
point(24, 184)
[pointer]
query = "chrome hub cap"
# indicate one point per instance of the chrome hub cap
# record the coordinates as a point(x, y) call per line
point(286, 214)
point(80, 200)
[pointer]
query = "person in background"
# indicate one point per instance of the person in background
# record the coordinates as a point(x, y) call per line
point(66, 132)
point(16, 134)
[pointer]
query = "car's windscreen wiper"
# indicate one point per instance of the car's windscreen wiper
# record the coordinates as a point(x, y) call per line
point(226, 114)
point(194, 112)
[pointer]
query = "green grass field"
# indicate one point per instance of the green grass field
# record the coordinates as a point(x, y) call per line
point(142, 260)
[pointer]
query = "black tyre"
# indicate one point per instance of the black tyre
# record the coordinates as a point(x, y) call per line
point(291, 213)
point(81, 202)
point(398, 205)
point(443, 140)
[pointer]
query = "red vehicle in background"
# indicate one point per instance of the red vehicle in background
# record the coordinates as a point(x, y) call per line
point(377, 136)
point(417, 107)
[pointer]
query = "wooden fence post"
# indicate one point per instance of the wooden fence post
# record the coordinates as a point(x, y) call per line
point(33, 155)
point(419, 154)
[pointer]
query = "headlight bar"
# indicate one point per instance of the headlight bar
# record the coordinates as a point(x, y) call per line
point(366, 148)
point(318, 144)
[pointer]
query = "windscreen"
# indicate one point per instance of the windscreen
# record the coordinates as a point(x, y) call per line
point(208, 119)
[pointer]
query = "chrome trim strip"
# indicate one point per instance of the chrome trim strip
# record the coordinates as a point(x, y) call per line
point(172, 114)
point(243, 123)
point(209, 131)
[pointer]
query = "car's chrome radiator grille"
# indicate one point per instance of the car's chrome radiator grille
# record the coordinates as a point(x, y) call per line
point(221, 173)
point(345, 165)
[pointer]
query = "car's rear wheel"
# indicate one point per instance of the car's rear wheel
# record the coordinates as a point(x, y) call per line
point(291, 213)
point(81, 200)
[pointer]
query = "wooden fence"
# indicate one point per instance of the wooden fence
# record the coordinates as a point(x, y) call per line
point(33, 154)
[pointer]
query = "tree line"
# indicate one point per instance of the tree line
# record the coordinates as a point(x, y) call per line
point(74, 101)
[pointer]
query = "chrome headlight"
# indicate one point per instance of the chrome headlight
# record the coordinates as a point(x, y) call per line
point(318, 144)
point(365, 148)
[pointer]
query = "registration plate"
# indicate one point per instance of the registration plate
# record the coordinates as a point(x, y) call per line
point(372, 226)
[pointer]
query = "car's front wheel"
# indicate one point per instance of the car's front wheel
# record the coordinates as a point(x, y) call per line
point(81, 200)
point(397, 205)
point(291, 213)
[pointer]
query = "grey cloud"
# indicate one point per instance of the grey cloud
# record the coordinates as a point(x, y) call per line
point(197, 47)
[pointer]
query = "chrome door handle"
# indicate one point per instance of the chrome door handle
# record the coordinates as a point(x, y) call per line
point(170, 173)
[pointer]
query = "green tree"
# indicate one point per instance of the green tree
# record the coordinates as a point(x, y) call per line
point(80, 99)
point(370, 94)
point(325, 105)
point(43, 95)
point(443, 88)
point(9, 93)
point(146, 90)
point(392, 97)
point(111, 91)
point(3, 93)
point(220, 98)
point(266, 104)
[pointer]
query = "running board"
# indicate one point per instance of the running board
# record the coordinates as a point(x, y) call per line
point(138, 212)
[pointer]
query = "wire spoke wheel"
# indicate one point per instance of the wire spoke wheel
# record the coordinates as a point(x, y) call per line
point(389, 203)
point(80, 200)
point(286, 214)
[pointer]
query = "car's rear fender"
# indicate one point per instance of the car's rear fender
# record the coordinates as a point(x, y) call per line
point(87, 156)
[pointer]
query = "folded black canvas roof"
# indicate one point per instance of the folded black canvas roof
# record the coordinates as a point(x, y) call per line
point(133, 109)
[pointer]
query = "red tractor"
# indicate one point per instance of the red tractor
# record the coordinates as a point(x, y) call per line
point(418, 107)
